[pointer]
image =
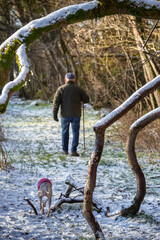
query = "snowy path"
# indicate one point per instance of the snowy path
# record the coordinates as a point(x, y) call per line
point(33, 145)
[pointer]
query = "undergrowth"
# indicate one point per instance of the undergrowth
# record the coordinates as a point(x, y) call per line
point(3, 158)
point(148, 139)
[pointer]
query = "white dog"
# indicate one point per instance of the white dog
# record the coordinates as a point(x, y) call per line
point(45, 190)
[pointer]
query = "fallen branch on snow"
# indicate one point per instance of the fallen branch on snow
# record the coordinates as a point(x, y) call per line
point(66, 198)
point(156, 186)
point(155, 176)
point(31, 204)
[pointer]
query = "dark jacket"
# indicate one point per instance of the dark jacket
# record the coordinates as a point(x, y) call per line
point(69, 96)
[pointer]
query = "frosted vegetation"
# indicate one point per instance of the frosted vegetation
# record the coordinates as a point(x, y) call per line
point(33, 146)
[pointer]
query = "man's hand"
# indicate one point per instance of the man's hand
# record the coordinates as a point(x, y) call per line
point(56, 119)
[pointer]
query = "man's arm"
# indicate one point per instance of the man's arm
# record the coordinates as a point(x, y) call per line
point(56, 104)
point(84, 96)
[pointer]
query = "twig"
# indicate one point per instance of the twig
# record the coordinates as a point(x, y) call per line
point(156, 186)
point(29, 202)
point(155, 176)
point(69, 190)
point(150, 34)
point(71, 182)
point(65, 200)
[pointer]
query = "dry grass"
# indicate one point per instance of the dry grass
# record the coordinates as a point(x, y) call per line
point(147, 139)
point(3, 158)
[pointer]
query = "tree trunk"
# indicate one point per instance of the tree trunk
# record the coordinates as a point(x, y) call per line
point(149, 68)
point(91, 183)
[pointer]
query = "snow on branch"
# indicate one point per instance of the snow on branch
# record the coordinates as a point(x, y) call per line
point(64, 16)
point(51, 19)
point(19, 81)
point(28, 34)
point(128, 104)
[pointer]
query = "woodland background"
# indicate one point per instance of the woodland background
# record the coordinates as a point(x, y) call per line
point(110, 57)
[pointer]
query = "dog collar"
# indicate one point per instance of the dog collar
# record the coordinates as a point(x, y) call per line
point(43, 180)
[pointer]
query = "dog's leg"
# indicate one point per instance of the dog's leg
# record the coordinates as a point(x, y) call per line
point(42, 208)
point(49, 204)
point(41, 205)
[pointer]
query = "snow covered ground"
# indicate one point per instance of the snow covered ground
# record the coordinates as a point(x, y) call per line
point(33, 146)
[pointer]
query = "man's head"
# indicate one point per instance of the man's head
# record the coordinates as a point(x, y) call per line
point(69, 77)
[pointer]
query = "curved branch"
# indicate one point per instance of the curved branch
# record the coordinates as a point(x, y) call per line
point(127, 105)
point(135, 128)
point(15, 85)
point(99, 129)
point(33, 30)
point(57, 19)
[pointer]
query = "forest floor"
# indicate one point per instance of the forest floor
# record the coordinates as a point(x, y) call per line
point(32, 143)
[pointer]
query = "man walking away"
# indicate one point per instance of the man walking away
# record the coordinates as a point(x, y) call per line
point(69, 98)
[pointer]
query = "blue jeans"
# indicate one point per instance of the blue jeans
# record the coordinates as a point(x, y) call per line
point(75, 123)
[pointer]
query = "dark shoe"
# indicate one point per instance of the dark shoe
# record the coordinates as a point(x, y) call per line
point(64, 153)
point(75, 154)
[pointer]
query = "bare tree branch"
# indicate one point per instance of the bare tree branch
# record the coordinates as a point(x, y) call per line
point(135, 128)
point(31, 204)
point(99, 129)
